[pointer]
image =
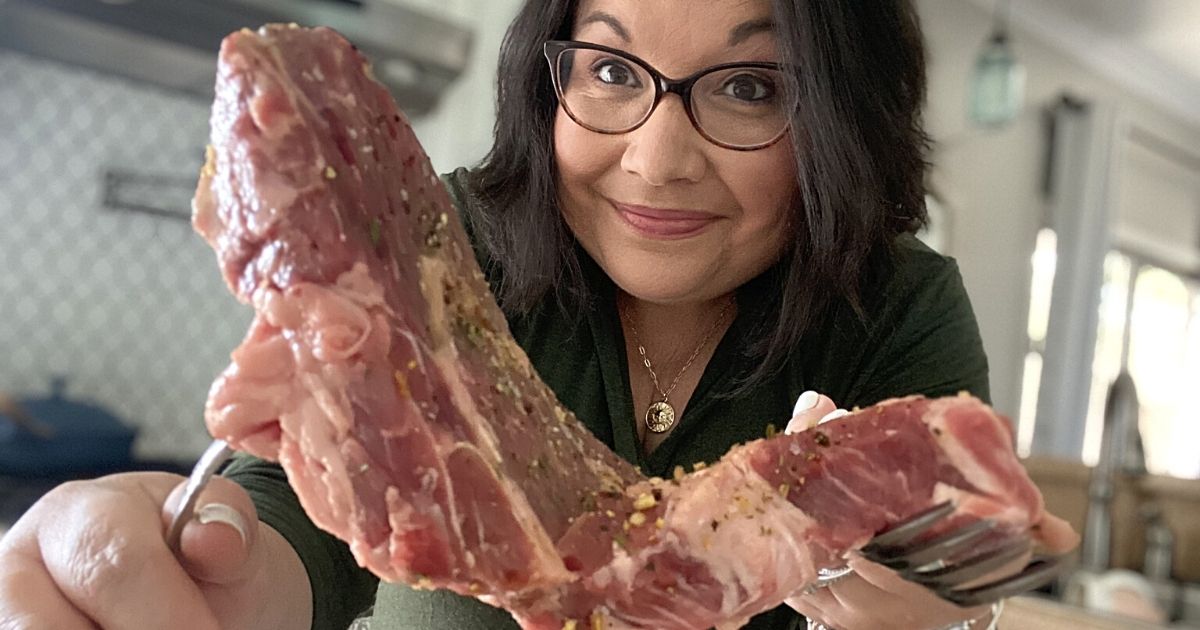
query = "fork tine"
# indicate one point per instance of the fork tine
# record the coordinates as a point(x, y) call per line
point(1037, 573)
point(910, 528)
point(971, 568)
point(944, 546)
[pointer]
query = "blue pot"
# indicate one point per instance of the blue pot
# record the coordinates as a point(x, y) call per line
point(59, 437)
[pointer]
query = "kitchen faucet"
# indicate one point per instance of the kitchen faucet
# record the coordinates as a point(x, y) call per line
point(1120, 453)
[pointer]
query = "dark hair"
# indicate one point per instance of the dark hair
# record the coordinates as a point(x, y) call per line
point(860, 155)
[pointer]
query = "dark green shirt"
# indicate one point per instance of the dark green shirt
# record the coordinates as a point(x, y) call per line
point(919, 336)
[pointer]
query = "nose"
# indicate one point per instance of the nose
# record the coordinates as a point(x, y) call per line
point(666, 148)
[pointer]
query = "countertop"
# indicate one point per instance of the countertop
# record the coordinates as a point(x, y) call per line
point(1027, 613)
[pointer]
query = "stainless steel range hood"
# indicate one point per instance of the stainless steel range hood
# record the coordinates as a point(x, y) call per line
point(173, 43)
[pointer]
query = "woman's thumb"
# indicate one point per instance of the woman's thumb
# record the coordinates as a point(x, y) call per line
point(217, 545)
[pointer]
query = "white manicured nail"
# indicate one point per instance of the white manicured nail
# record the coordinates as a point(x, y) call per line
point(834, 415)
point(806, 401)
point(221, 513)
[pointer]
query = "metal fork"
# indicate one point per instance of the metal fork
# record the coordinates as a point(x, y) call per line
point(209, 463)
point(945, 562)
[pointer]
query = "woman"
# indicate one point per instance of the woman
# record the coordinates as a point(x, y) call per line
point(705, 248)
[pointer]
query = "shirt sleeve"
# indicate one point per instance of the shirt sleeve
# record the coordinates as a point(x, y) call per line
point(399, 606)
point(928, 341)
point(341, 589)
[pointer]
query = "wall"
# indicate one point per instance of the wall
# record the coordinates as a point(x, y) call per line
point(991, 180)
point(129, 306)
point(459, 132)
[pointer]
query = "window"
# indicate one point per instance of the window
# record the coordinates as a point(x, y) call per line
point(1164, 360)
point(1150, 325)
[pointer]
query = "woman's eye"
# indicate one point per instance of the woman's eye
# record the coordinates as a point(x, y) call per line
point(615, 73)
point(748, 87)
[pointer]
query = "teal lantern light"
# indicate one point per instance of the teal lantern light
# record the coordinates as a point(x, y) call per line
point(998, 80)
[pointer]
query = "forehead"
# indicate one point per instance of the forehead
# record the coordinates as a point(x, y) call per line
point(687, 28)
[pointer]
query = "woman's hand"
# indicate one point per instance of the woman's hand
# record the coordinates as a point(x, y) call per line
point(92, 555)
point(876, 598)
point(873, 597)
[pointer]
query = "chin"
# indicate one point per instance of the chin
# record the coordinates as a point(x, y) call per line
point(661, 284)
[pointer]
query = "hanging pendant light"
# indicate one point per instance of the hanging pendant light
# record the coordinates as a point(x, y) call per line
point(998, 80)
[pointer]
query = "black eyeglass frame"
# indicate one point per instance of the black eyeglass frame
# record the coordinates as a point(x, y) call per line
point(663, 85)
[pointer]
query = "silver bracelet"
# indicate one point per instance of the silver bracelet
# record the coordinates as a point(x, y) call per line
point(992, 619)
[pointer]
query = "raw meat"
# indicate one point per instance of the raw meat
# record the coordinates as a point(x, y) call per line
point(379, 371)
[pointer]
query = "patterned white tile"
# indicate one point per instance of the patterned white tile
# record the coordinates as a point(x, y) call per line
point(129, 307)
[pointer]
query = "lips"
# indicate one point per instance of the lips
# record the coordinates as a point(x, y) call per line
point(664, 223)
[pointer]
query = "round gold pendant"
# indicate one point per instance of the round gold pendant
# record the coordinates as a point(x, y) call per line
point(660, 417)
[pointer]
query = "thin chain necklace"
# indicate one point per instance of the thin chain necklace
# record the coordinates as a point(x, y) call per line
point(660, 415)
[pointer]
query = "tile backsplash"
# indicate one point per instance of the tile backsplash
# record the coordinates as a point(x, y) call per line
point(127, 306)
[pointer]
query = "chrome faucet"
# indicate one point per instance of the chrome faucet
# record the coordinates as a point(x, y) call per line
point(1120, 452)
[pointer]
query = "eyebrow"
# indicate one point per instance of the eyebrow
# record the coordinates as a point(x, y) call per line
point(610, 20)
point(743, 31)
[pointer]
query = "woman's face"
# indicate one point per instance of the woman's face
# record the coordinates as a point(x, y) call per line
point(670, 216)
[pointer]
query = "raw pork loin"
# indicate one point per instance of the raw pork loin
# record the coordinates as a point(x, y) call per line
point(381, 374)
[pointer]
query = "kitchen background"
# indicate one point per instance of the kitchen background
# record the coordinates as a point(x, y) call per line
point(1075, 218)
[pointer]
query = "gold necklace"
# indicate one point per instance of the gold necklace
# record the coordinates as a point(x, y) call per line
point(660, 415)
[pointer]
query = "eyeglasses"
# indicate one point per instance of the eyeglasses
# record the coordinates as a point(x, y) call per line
point(738, 106)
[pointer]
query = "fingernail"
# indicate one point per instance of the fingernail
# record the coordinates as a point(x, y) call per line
point(806, 401)
point(834, 415)
point(221, 513)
